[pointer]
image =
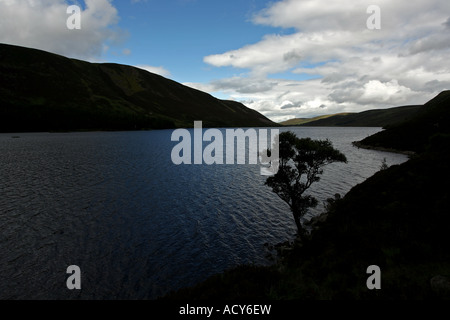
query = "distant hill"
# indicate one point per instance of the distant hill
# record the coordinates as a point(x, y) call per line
point(371, 118)
point(303, 121)
point(414, 134)
point(41, 91)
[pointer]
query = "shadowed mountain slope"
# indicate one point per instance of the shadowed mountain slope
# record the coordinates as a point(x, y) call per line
point(370, 118)
point(41, 91)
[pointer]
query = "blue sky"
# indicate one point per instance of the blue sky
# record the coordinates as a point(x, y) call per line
point(283, 58)
point(177, 34)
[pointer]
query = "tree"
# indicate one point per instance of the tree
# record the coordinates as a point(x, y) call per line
point(301, 163)
point(384, 165)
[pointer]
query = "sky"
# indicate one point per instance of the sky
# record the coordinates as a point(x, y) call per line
point(286, 59)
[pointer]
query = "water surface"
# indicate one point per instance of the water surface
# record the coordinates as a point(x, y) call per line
point(137, 225)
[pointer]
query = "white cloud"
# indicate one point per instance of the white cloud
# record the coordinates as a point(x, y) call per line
point(42, 24)
point(406, 62)
point(158, 70)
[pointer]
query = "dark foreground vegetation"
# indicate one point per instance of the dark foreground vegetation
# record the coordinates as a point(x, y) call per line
point(41, 91)
point(398, 220)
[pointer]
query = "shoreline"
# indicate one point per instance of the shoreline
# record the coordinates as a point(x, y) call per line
point(358, 144)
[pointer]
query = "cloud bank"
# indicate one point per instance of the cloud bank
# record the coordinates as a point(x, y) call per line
point(42, 24)
point(335, 63)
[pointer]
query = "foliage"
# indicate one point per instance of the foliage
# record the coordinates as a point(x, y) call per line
point(301, 163)
point(384, 164)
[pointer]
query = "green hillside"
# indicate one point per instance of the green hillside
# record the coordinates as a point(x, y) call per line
point(370, 118)
point(304, 121)
point(41, 91)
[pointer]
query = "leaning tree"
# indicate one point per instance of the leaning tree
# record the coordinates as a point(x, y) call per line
point(301, 162)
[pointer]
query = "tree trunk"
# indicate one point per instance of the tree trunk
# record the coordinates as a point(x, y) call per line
point(300, 230)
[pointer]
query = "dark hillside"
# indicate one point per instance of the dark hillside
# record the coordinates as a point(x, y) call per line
point(370, 118)
point(41, 91)
point(414, 134)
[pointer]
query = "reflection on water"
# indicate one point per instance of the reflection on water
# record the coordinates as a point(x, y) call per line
point(137, 225)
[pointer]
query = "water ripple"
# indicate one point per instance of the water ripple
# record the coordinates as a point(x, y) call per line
point(137, 225)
